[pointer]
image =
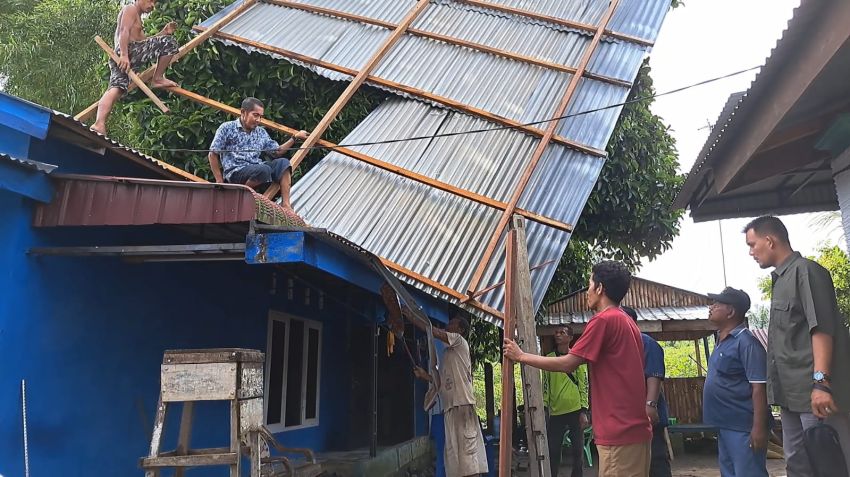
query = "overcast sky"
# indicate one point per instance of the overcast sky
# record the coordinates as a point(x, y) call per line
point(701, 40)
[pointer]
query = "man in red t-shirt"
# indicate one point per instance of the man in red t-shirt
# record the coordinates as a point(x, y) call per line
point(612, 344)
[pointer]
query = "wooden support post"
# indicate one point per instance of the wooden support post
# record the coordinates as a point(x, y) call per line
point(532, 386)
point(235, 469)
point(507, 428)
point(133, 76)
point(185, 437)
point(538, 152)
point(352, 88)
point(184, 50)
point(489, 401)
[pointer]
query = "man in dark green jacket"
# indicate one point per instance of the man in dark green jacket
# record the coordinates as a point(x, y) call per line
point(565, 397)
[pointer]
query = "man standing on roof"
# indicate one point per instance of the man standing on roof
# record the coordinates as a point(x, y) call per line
point(656, 405)
point(134, 51)
point(734, 396)
point(808, 349)
point(612, 345)
point(565, 396)
point(237, 148)
point(464, 443)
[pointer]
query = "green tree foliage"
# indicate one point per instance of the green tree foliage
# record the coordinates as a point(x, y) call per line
point(758, 317)
point(47, 52)
point(835, 260)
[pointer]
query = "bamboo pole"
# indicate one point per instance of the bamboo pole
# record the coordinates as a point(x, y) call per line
point(133, 76)
point(184, 50)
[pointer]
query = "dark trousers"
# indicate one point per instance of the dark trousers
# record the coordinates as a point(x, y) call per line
point(659, 464)
point(558, 425)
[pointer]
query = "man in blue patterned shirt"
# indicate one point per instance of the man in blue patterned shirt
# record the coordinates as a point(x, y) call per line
point(236, 150)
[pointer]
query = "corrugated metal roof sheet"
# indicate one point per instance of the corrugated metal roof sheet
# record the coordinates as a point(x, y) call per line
point(670, 313)
point(436, 234)
point(86, 132)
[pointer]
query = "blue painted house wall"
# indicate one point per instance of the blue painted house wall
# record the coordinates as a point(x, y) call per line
point(87, 334)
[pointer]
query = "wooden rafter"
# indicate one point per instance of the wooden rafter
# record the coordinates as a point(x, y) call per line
point(538, 153)
point(447, 39)
point(555, 20)
point(352, 88)
point(450, 103)
point(184, 50)
point(423, 179)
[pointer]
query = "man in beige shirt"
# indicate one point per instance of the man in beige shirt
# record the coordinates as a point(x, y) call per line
point(464, 453)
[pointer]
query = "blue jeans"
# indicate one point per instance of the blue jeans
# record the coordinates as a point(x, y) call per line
point(438, 433)
point(735, 457)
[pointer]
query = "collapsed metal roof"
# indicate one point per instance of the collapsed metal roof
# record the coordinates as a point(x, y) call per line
point(471, 65)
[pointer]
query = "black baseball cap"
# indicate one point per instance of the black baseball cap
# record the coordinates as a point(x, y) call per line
point(732, 296)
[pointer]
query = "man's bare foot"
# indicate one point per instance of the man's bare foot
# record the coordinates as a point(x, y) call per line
point(101, 128)
point(163, 83)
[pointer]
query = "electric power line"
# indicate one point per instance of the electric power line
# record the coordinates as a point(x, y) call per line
point(471, 131)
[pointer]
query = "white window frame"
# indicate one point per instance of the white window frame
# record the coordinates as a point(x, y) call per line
point(308, 325)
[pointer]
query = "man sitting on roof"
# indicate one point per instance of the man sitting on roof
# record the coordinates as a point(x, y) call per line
point(235, 153)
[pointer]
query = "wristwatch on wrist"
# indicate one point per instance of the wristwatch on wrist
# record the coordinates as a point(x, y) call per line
point(652, 404)
point(821, 377)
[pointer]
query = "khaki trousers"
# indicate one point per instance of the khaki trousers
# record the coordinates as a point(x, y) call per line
point(624, 461)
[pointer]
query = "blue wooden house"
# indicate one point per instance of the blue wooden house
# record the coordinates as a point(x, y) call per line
point(109, 257)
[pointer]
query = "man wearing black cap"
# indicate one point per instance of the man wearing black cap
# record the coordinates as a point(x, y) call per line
point(735, 392)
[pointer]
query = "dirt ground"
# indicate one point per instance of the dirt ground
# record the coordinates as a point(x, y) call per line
point(690, 464)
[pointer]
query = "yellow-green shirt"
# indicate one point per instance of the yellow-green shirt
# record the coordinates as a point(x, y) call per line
point(563, 395)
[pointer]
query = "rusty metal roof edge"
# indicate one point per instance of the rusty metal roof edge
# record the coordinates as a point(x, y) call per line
point(138, 180)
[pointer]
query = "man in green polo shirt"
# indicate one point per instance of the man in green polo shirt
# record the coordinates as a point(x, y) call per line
point(565, 397)
point(808, 349)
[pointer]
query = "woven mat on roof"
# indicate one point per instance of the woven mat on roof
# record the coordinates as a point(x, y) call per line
point(270, 213)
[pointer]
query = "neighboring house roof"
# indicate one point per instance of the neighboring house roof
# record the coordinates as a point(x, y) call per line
point(762, 155)
point(437, 236)
point(664, 311)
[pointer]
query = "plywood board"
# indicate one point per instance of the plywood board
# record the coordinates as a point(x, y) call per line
point(198, 382)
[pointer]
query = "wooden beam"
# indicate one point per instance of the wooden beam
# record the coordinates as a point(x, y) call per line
point(184, 50)
point(555, 20)
point(447, 39)
point(506, 425)
point(440, 287)
point(532, 387)
point(423, 179)
point(489, 398)
point(538, 153)
point(450, 103)
point(132, 74)
point(352, 88)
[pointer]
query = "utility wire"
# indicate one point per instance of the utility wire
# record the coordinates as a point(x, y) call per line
point(471, 131)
